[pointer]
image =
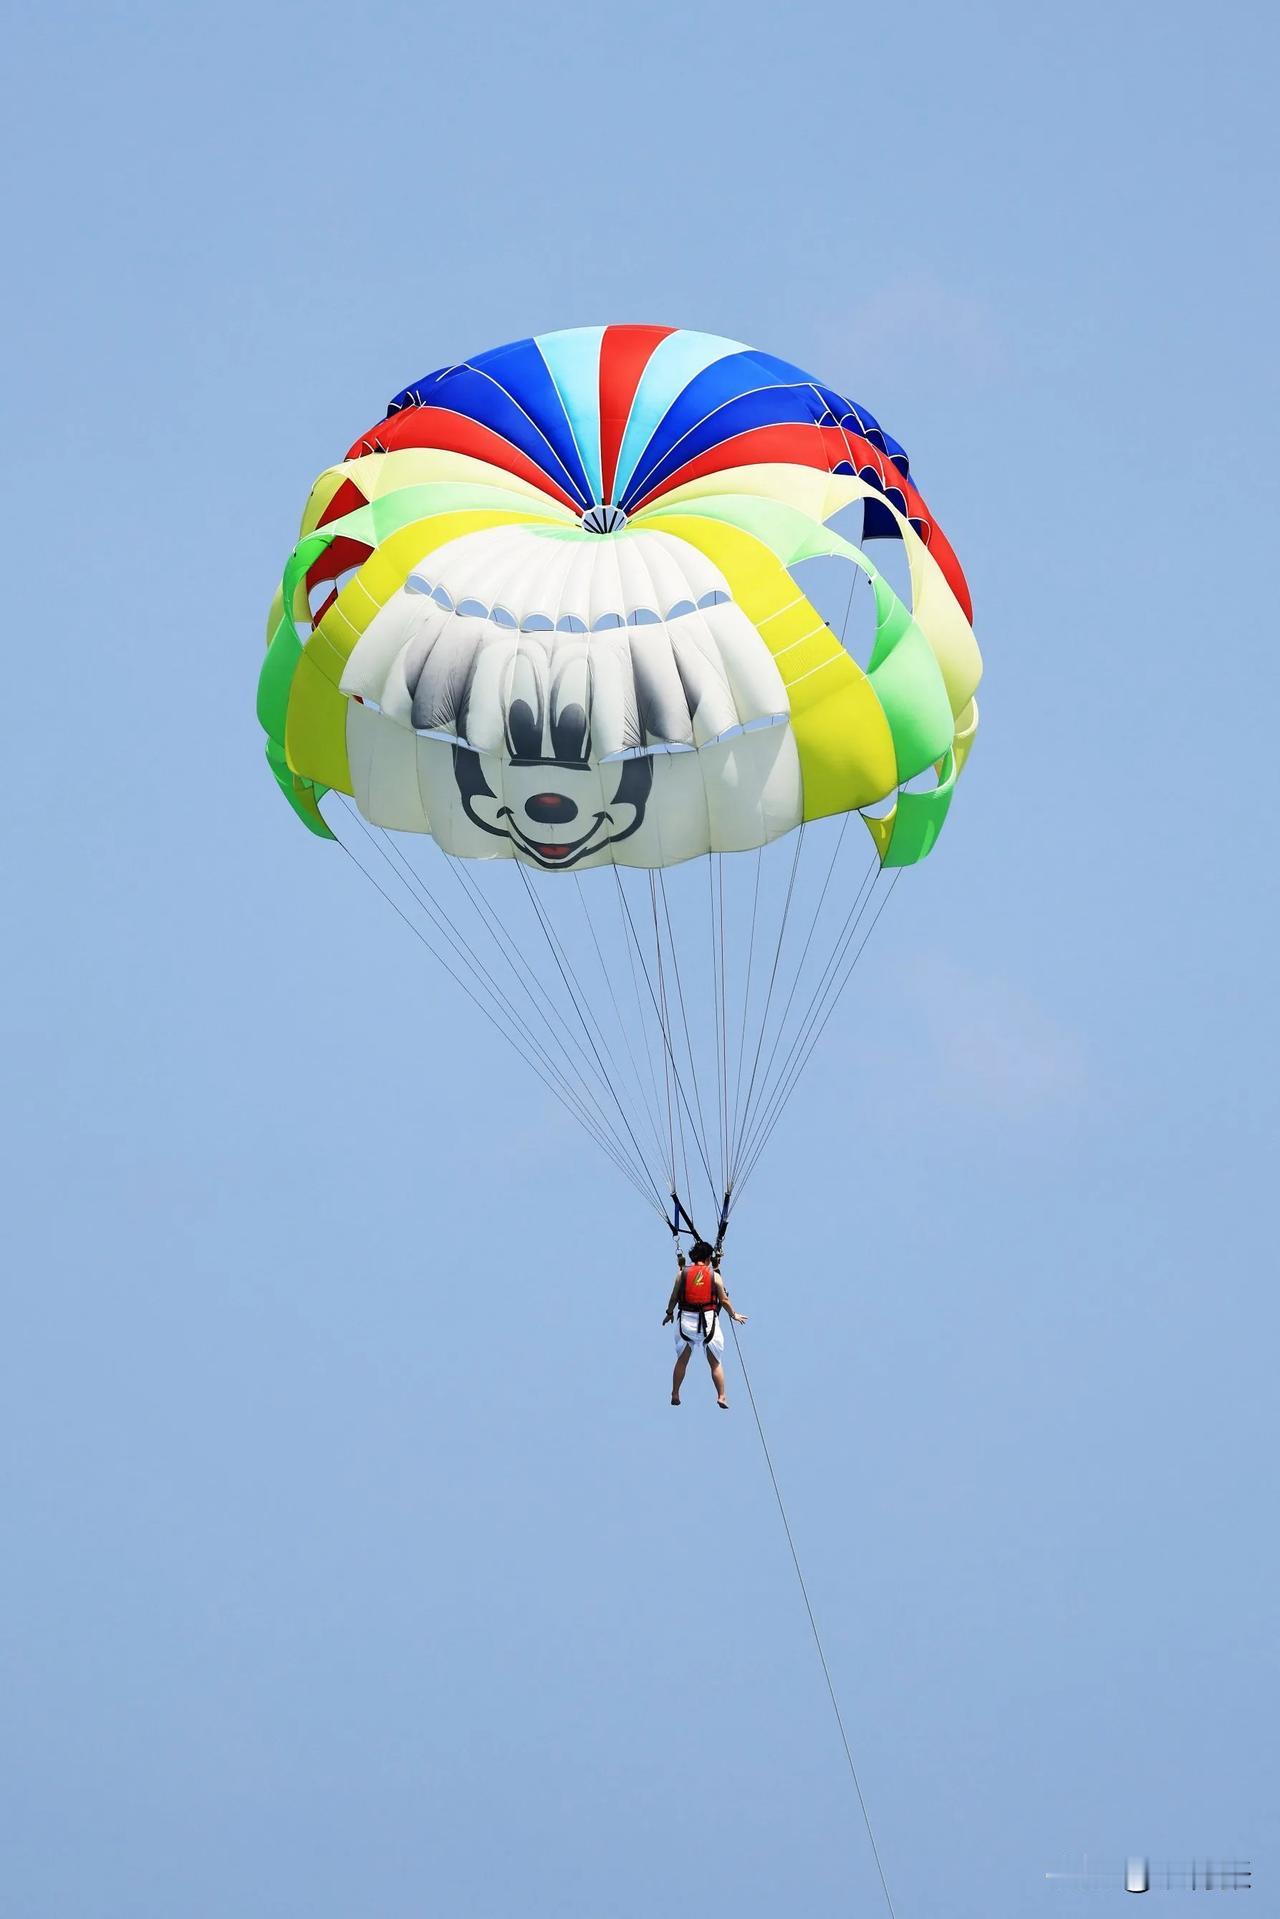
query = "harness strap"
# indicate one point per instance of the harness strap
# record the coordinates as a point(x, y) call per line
point(708, 1320)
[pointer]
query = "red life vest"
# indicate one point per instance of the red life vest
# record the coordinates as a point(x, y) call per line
point(697, 1288)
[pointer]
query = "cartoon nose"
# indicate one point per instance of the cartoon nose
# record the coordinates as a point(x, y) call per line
point(553, 809)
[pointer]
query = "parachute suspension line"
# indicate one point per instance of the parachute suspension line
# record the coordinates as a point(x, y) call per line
point(799, 971)
point(518, 963)
point(575, 996)
point(580, 1100)
point(585, 1089)
point(769, 1080)
point(584, 998)
point(570, 1079)
point(597, 1025)
point(670, 1068)
point(848, 605)
point(801, 1063)
point(651, 1108)
point(683, 1107)
point(580, 1000)
point(744, 1115)
point(631, 948)
point(563, 1045)
point(425, 900)
point(665, 1018)
point(715, 1007)
point(700, 1129)
point(736, 1154)
point(817, 999)
point(746, 997)
point(561, 1091)
point(813, 1624)
point(684, 1021)
point(724, 1040)
point(770, 1109)
point(715, 871)
point(724, 1025)
point(659, 1003)
point(885, 897)
point(662, 1005)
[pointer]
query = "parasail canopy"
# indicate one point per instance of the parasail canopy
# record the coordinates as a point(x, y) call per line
point(550, 610)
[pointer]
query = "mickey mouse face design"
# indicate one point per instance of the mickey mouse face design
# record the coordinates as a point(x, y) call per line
point(558, 689)
point(554, 803)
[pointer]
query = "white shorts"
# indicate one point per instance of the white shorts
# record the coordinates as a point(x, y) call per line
point(689, 1329)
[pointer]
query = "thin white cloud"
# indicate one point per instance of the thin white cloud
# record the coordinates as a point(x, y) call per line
point(914, 323)
point(993, 1043)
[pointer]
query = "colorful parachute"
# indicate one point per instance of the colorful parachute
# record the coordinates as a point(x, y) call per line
point(547, 611)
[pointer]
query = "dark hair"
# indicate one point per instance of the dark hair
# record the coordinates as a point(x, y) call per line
point(700, 1251)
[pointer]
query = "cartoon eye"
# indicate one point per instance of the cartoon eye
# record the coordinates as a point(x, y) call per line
point(523, 705)
point(524, 731)
point(569, 732)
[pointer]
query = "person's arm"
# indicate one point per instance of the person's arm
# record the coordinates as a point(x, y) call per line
point(739, 1319)
point(670, 1313)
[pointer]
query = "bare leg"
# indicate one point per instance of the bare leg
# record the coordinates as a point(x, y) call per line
point(717, 1377)
point(677, 1377)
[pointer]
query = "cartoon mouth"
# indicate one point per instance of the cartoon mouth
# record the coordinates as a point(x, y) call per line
point(542, 850)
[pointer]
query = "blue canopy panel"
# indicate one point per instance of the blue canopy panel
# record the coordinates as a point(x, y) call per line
point(511, 391)
point(732, 396)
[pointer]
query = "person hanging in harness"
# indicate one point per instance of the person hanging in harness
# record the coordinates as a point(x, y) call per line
point(697, 1300)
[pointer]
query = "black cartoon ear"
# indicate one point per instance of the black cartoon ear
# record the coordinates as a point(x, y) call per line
point(570, 738)
point(635, 783)
point(469, 774)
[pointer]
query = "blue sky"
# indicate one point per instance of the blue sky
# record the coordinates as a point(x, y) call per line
point(355, 1561)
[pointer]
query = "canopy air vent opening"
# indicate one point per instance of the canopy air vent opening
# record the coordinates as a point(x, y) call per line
point(603, 519)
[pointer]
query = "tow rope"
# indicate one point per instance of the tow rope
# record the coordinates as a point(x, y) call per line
point(817, 1637)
